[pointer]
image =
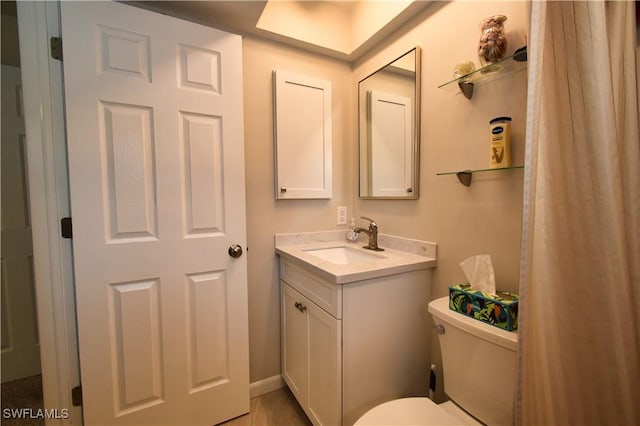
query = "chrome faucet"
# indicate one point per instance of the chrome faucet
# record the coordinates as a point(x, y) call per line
point(372, 232)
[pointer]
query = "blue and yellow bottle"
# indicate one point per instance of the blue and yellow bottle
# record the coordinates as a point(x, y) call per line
point(500, 143)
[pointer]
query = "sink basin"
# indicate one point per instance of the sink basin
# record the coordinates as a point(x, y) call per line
point(344, 255)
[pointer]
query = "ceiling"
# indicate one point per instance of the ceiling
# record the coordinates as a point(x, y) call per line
point(341, 29)
point(232, 16)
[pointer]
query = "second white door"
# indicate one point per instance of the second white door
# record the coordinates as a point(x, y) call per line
point(20, 342)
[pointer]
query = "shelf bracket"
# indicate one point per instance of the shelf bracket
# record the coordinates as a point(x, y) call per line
point(466, 89)
point(465, 175)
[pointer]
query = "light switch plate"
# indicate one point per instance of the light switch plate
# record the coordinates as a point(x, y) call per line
point(342, 216)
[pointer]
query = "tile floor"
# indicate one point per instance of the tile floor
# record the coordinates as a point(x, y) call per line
point(23, 393)
point(277, 408)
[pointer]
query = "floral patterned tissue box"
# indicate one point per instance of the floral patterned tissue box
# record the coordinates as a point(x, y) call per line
point(498, 310)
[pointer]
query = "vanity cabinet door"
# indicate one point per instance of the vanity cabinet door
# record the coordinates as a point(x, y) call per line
point(312, 357)
point(325, 366)
point(294, 343)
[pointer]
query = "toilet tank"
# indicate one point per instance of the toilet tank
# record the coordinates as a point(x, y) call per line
point(479, 364)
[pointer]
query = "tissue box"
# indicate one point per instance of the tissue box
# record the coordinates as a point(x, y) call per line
point(500, 311)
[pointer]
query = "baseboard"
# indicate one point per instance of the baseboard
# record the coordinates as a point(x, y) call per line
point(265, 385)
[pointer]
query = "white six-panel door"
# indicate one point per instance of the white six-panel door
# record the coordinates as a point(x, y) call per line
point(156, 164)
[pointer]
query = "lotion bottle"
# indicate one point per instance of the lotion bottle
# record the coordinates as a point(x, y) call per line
point(500, 143)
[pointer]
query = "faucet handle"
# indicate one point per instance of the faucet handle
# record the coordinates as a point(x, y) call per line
point(372, 222)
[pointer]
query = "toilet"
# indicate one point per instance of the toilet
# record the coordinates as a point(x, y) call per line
point(479, 365)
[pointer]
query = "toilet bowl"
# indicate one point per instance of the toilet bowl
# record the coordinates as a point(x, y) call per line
point(415, 412)
point(478, 363)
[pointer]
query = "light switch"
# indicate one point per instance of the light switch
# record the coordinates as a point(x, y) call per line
point(342, 216)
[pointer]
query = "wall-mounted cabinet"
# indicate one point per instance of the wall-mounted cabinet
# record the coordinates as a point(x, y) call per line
point(302, 109)
point(390, 119)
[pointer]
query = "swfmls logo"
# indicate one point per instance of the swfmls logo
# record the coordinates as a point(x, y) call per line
point(30, 413)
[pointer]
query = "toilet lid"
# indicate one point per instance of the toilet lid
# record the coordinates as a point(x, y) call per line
point(407, 411)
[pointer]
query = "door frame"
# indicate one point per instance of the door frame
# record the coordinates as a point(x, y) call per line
point(49, 202)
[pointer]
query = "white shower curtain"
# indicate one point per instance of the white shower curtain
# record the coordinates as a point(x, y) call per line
point(579, 337)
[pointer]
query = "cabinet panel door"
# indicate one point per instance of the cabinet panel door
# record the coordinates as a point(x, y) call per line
point(294, 343)
point(325, 366)
point(391, 145)
point(303, 136)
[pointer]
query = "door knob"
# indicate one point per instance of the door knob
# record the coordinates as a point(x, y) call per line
point(235, 250)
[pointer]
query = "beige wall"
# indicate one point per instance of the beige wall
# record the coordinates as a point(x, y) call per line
point(464, 221)
point(265, 215)
point(486, 217)
point(483, 218)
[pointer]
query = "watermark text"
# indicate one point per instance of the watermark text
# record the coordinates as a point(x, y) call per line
point(35, 413)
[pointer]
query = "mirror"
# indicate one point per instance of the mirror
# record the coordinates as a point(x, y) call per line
point(389, 129)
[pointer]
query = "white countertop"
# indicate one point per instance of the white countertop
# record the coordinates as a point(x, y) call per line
point(399, 255)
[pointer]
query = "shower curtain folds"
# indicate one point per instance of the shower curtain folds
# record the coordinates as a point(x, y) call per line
point(579, 332)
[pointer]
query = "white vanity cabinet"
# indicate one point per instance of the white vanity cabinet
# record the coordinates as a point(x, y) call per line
point(311, 351)
point(348, 347)
point(311, 343)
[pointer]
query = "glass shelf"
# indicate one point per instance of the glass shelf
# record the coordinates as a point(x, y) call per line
point(510, 64)
point(464, 176)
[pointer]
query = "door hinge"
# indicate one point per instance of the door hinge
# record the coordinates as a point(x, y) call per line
point(76, 396)
point(56, 48)
point(66, 227)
